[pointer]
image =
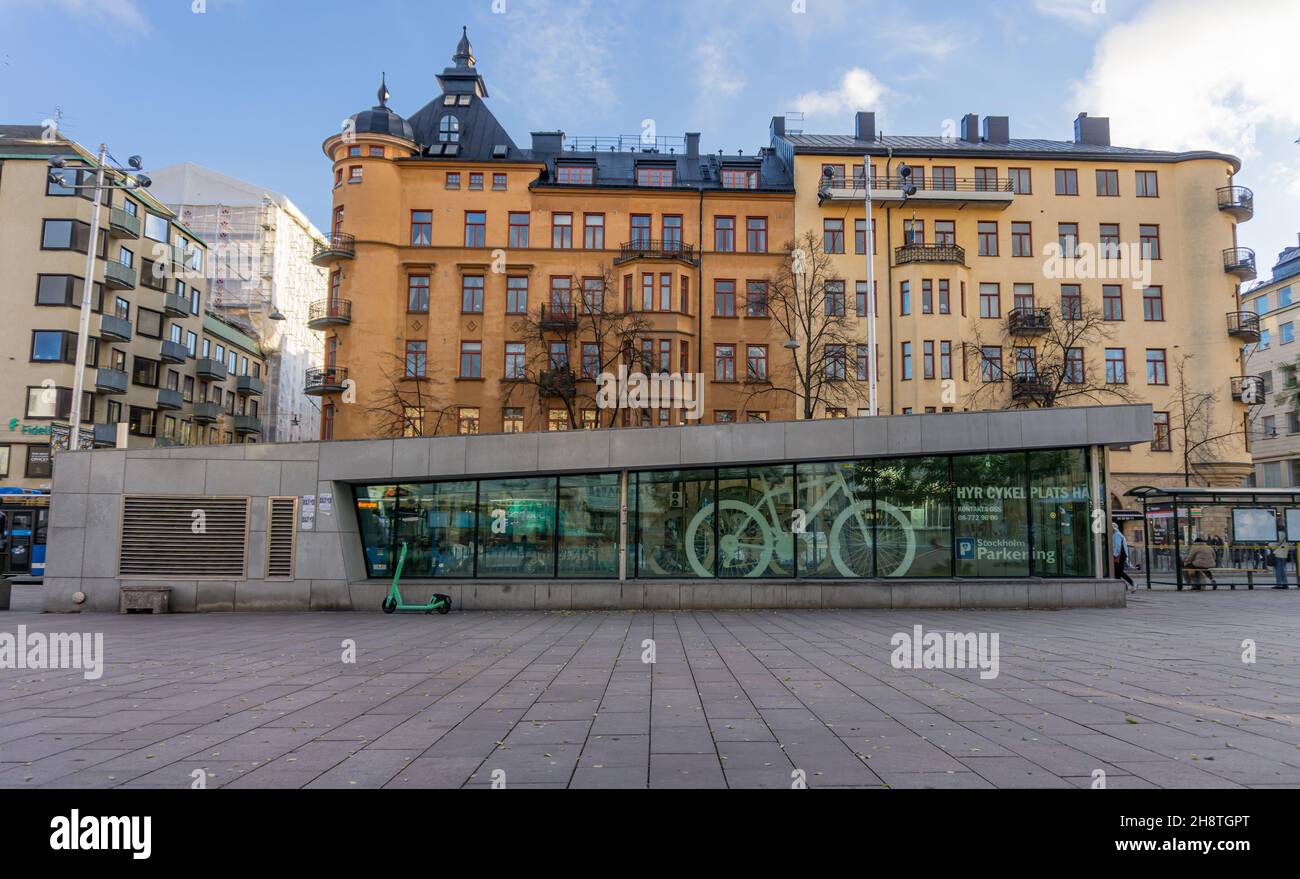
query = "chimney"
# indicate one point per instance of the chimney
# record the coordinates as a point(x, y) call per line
point(548, 141)
point(997, 129)
point(777, 128)
point(864, 126)
point(970, 128)
point(1094, 130)
point(692, 144)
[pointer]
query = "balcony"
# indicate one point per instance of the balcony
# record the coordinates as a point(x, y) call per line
point(1237, 201)
point(105, 434)
point(1248, 389)
point(123, 225)
point(176, 306)
point(654, 248)
point(322, 380)
point(118, 276)
point(1029, 386)
point(114, 328)
point(950, 254)
point(557, 383)
point(169, 399)
point(1240, 261)
point(209, 369)
point(338, 246)
point(110, 381)
point(959, 192)
point(561, 318)
point(1243, 325)
point(329, 313)
point(246, 424)
point(206, 413)
point(1029, 321)
point(247, 385)
point(173, 352)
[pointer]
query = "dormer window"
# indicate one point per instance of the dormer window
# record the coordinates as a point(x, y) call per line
point(463, 100)
point(574, 174)
point(739, 178)
point(449, 100)
point(654, 176)
point(449, 129)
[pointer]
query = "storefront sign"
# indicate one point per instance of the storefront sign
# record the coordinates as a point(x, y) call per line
point(17, 426)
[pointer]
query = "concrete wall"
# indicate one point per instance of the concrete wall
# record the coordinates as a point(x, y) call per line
point(85, 509)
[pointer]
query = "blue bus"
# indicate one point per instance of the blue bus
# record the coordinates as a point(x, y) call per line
point(24, 518)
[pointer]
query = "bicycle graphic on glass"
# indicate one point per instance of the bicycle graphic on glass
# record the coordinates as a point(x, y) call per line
point(756, 533)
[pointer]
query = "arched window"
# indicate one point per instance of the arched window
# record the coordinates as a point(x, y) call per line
point(449, 129)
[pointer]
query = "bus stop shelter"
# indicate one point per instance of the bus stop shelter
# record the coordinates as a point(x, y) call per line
point(1240, 525)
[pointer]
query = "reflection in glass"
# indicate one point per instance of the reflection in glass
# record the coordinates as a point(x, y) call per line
point(992, 517)
point(1061, 503)
point(517, 527)
point(589, 507)
point(836, 501)
point(754, 535)
point(376, 508)
point(672, 506)
point(913, 518)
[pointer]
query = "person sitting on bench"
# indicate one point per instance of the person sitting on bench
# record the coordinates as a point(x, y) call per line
point(1199, 561)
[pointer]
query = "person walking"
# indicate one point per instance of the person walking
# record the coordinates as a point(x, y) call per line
point(1119, 552)
point(1279, 558)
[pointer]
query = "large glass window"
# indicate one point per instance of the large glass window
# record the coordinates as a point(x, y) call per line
point(588, 525)
point(517, 527)
point(913, 518)
point(1060, 507)
point(836, 502)
point(753, 522)
point(992, 518)
point(674, 523)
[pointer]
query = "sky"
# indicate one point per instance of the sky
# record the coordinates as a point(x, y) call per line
point(251, 88)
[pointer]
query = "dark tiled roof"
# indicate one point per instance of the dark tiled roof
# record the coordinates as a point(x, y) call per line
point(479, 129)
point(691, 172)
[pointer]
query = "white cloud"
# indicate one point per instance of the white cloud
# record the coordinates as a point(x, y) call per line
point(124, 13)
point(859, 90)
point(717, 65)
point(1079, 13)
point(1181, 76)
point(557, 51)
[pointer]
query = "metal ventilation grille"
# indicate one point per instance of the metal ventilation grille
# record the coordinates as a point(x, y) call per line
point(281, 515)
point(192, 538)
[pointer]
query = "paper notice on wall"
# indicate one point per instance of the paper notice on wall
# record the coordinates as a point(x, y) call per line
point(308, 512)
point(326, 504)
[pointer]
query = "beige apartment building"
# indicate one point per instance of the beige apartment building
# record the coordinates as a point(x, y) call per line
point(1274, 360)
point(145, 369)
point(1028, 273)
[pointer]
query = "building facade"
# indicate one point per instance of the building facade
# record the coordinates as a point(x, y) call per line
point(231, 385)
point(1273, 360)
point(263, 281)
point(1032, 273)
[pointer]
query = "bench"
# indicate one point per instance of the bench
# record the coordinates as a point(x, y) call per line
point(144, 599)
point(1249, 572)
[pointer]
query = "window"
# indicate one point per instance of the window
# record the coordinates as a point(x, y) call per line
point(986, 179)
point(1265, 340)
point(417, 355)
point(945, 360)
point(913, 232)
point(582, 175)
point(665, 291)
point(561, 295)
point(518, 229)
point(990, 301)
point(860, 295)
point(156, 227)
point(653, 176)
point(354, 174)
point(1261, 304)
point(499, 182)
point(475, 228)
point(1107, 183)
point(1108, 238)
point(724, 416)
point(1116, 370)
point(641, 229)
point(1067, 236)
point(672, 227)
point(1074, 369)
point(904, 297)
point(558, 356)
point(53, 346)
point(756, 299)
point(836, 363)
point(1022, 296)
point(907, 362)
point(756, 417)
point(1150, 238)
point(991, 363)
point(724, 298)
point(421, 228)
point(516, 360)
point(512, 419)
point(453, 180)
point(724, 234)
point(144, 372)
point(417, 294)
point(471, 294)
point(149, 323)
point(988, 238)
point(927, 359)
point(1021, 180)
point(944, 177)
point(739, 179)
point(833, 236)
point(1026, 363)
point(756, 363)
point(1284, 296)
point(1067, 181)
point(191, 343)
point(449, 129)
point(834, 298)
point(593, 231)
point(516, 295)
point(1161, 434)
point(861, 362)
point(471, 359)
point(476, 181)
point(1145, 184)
point(724, 363)
point(591, 366)
point(1112, 302)
point(756, 234)
point(1286, 333)
point(647, 291)
point(1022, 243)
point(562, 231)
point(945, 233)
point(927, 296)
point(1156, 374)
point(65, 235)
point(1153, 303)
point(860, 237)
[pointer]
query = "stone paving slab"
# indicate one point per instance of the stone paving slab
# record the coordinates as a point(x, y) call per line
point(1154, 695)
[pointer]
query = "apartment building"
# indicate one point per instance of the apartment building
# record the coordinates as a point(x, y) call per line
point(149, 292)
point(475, 285)
point(1273, 360)
point(231, 373)
point(1030, 273)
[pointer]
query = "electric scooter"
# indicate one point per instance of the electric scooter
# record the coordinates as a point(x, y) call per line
point(437, 601)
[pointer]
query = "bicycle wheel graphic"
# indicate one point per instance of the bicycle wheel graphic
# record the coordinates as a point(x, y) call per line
point(744, 538)
point(851, 542)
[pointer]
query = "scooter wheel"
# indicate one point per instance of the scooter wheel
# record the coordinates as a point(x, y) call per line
point(389, 605)
point(445, 607)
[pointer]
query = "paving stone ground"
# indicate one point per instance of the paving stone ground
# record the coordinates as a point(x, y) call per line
point(1155, 695)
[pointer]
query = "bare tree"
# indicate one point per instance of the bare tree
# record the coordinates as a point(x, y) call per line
point(1048, 363)
point(588, 327)
point(403, 405)
point(1192, 422)
point(807, 300)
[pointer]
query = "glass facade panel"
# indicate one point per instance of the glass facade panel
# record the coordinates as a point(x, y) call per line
point(753, 521)
point(434, 520)
point(1060, 504)
point(913, 517)
point(674, 523)
point(517, 527)
point(588, 533)
point(992, 517)
point(836, 502)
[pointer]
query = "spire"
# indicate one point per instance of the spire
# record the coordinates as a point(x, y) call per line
point(383, 90)
point(464, 56)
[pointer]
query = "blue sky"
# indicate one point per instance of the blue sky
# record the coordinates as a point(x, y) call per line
point(252, 87)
